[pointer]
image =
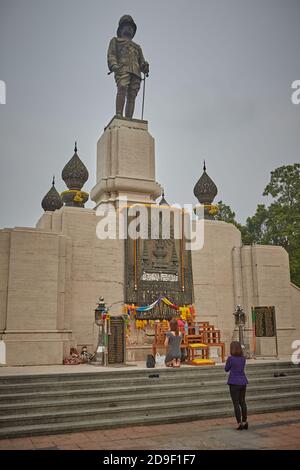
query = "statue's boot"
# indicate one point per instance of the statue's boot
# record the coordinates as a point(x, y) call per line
point(120, 101)
point(130, 105)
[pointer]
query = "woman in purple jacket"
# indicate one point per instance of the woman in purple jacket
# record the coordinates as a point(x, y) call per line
point(237, 382)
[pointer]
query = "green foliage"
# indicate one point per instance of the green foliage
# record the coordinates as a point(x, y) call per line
point(284, 186)
point(278, 224)
point(225, 213)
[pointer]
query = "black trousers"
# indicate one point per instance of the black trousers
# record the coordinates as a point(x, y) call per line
point(238, 393)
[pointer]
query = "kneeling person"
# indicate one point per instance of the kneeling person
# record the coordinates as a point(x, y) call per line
point(172, 343)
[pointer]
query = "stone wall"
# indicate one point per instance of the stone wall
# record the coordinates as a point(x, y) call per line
point(52, 276)
point(266, 281)
point(33, 284)
point(96, 269)
point(295, 303)
point(214, 277)
point(227, 274)
point(50, 280)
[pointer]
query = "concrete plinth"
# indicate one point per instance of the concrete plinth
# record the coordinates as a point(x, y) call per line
point(125, 163)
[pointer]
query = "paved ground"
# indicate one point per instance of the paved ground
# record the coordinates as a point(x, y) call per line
point(280, 430)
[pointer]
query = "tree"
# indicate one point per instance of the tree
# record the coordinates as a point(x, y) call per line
point(279, 223)
point(225, 213)
point(255, 228)
point(284, 186)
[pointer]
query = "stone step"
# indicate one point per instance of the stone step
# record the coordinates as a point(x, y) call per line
point(154, 386)
point(170, 416)
point(139, 373)
point(161, 396)
point(44, 404)
point(144, 409)
point(100, 382)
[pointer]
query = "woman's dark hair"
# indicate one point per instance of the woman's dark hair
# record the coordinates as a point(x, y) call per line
point(236, 349)
point(174, 326)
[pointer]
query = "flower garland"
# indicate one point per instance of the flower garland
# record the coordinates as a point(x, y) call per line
point(79, 196)
point(185, 312)
point(211, 208)
point(146, 308)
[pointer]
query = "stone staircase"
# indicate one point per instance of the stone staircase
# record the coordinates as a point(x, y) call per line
point(72, 402)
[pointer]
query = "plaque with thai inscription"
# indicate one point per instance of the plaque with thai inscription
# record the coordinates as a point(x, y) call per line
point(157, 266)
point(265, 321)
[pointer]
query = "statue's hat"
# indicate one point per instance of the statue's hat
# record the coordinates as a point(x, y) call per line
point(126, 19)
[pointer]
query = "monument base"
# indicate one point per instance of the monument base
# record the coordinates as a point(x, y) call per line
point(125, 164)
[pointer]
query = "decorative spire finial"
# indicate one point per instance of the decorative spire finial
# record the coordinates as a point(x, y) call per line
point(205, 191)
point(163, 202)
point(75, 174)
point(52, 200)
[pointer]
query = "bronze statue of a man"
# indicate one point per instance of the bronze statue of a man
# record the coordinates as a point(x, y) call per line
point(125, 58)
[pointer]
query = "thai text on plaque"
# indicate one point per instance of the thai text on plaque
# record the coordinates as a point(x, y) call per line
point(165, 277)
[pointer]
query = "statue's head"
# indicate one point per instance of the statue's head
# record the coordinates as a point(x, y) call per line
point(127, 27)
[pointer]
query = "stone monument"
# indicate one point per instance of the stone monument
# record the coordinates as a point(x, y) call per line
point(52, 275)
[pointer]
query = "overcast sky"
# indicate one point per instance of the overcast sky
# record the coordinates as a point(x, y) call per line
point(219, 88)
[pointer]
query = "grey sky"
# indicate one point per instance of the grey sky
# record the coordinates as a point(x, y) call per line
point(219, 89)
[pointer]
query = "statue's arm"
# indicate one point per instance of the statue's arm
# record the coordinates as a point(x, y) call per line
point(144, 66)
point(112, 59)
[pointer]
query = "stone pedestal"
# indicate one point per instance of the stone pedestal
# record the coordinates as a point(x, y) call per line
point(125, 164)
point(51, 276)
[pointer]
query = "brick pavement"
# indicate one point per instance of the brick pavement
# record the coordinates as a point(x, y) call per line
point(279, 430)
